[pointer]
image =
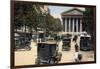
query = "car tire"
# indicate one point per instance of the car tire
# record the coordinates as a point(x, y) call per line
point(27, 48)
point(37, 61)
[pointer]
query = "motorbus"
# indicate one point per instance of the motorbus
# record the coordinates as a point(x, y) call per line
point(86, 43)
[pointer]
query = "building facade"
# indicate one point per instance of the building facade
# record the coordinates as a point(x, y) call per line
point(72, 21)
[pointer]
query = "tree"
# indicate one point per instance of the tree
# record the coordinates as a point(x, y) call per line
point(27, 15)
point(56, 27)
point(31, 17)
point(22, 15)
point(88, 20)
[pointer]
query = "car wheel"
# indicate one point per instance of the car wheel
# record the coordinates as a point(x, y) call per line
point(52, 61)
point(27, 48)
point(37, 61)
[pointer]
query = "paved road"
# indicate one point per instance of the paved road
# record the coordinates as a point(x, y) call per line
point(23, 57)
point(68, 56)
point(28, 57)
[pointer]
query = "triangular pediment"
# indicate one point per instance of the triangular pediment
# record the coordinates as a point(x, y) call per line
point(73, 11)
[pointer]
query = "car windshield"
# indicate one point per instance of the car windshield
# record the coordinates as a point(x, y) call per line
point(85, 38)
point(66, 39)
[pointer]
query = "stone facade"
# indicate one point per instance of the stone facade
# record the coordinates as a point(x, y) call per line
point(72, 21)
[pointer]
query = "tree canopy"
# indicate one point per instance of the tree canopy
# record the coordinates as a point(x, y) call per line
point(31, 16)
point(88, 16)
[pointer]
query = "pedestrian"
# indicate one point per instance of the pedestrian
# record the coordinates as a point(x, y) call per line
point(76, 47)
point(75, 38)
point(78, 56)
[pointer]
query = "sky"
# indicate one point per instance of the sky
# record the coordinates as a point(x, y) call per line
point(57, 10)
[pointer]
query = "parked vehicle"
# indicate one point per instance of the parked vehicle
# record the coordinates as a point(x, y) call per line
point(34, 37)
point(66, 36)
point(47, 53)
point(86, 43)
point(66, 44)
point(22, 41)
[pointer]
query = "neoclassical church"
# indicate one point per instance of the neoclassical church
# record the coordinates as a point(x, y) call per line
point(72, 21)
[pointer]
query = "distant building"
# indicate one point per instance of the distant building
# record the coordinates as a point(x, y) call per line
point(72, 21)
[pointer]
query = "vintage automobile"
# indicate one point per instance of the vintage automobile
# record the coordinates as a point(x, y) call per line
point(47, 53)
point(22, 41)
point(66, 44)
point(66, 36)
point(85, 43)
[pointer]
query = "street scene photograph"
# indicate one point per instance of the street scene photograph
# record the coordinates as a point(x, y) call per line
point(46, 34)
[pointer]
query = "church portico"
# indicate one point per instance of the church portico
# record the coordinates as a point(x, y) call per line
point(72, 22)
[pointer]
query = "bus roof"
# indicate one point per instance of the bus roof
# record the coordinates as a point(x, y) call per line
point(49, 42)
point(86, 35)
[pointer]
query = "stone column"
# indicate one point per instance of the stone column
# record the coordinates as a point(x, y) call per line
point(80, 25)
point(77, 25)
point(69, 25)
point(73, 24)
point(65, 25)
